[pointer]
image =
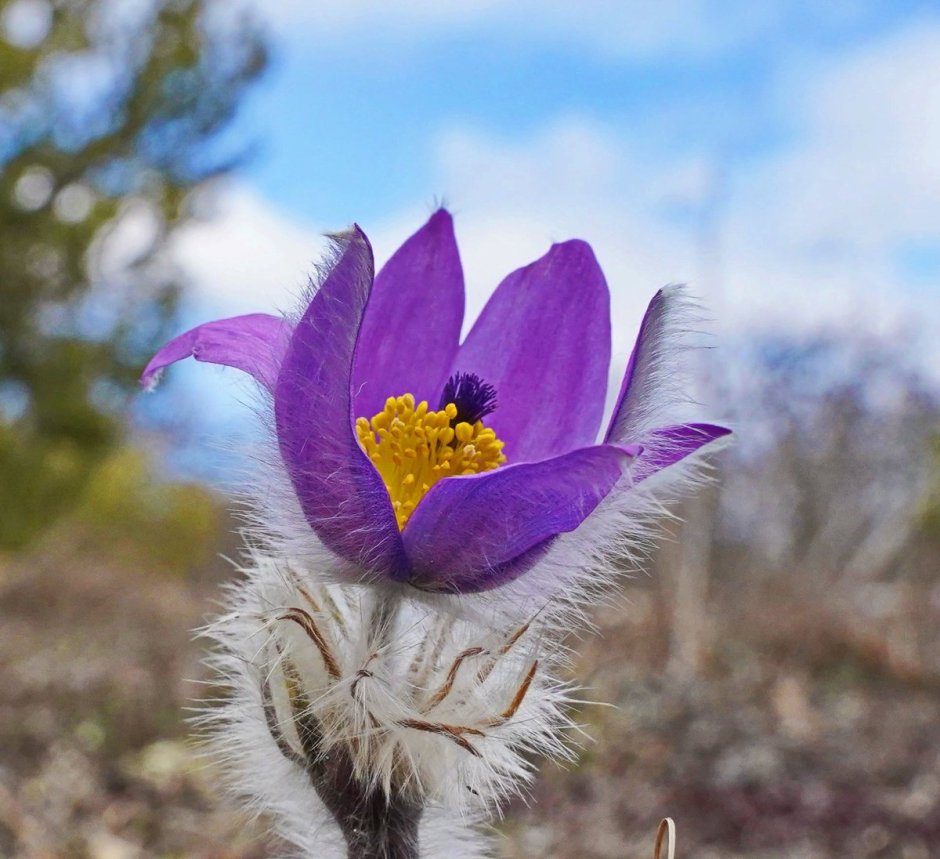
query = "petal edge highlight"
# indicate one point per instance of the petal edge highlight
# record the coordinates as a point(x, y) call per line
point(340, 492)
point(254, 344)
point(637, 395)
point(668, 445)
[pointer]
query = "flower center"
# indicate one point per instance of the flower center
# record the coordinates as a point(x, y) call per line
point(413, 448)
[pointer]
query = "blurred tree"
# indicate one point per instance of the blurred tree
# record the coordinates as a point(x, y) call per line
point(834, 468)
point(112, 118)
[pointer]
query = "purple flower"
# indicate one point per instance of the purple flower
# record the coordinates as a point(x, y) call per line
point(450, 466)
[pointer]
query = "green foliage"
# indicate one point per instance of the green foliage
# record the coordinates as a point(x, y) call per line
point(169, 525)
point(930, 514)
point(111, 117)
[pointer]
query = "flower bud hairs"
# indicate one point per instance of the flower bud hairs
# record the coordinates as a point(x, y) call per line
point(433, 519)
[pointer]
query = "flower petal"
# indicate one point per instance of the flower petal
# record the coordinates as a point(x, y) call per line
point(340, 492)
point(254, 343)
point(642, 377)
point(476, 532)
point(543, 341)
point(411, 330)
point(647, 377)
point(666, 446)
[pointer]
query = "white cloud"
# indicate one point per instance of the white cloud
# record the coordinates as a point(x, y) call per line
point(246, 256)
point(575, 180)
point(814, 233)
point(865, 168)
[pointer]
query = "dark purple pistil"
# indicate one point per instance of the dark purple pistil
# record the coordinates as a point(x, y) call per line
point(473, 397)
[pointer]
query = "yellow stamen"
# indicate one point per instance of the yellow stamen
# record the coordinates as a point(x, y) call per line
point(412, 448)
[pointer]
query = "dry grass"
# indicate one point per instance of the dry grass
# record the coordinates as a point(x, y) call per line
point(807, 728)
point(95, 659)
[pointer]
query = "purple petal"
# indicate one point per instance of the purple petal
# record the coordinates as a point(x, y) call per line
point(641, 379)
point(340, 492)
point(255, 344)
point(477, 532)
point(543, 340)
point(666, 446)
point(412, 328)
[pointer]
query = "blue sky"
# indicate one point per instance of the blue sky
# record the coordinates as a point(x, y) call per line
point(347, 117)
point(364, 143)
point(791, 143)
point(782, 158)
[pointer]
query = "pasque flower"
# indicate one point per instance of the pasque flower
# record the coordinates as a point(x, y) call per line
point(387, 694)
point(449, 466)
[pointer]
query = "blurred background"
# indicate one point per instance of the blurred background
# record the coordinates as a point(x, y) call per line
point(776, 677)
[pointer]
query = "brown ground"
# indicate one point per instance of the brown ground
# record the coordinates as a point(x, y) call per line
point(806, 725)
point(94, 755)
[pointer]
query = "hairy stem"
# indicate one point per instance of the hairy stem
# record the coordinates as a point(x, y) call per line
point(375, 826)
point(379, 829)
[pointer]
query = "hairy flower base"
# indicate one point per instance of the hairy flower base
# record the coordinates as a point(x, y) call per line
point(413, 448)
point(382, 707)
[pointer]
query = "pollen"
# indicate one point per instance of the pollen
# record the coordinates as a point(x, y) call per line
point(413, 448)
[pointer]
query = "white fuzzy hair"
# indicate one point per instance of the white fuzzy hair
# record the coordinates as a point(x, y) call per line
point(427, 703)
